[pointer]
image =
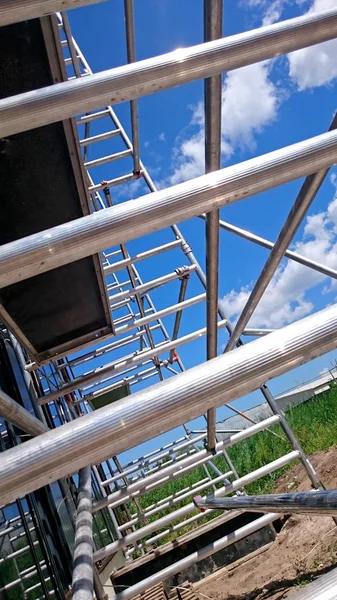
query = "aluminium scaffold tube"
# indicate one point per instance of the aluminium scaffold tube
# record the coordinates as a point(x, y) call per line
point(148, 286)
point(164, 406)
point(201, 554)
point(172, 529)
point(321, 503)
point(178, 514)
point(295, 256)
point(17, 415)
point(172, 500)
point(120, 364)
point(138, 323)
point(155, 459)
point(189, 254)
point(145, 484)
point(213, 16)
point(93, 233)
point(135, 518)
point(131, 379)
point(304, 199)
point(14, 11)
point(131, 54)
point(68, 99)
point(82, 582)
point(323, 588)
point(179, 313)
point(121, 264)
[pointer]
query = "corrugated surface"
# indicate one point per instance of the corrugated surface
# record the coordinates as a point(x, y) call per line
point(165, 71)
point(324, 588)
point(80, 238)
point(148, 413)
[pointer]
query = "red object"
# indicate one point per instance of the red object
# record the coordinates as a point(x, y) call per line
point(68, 398)
point(196, 500)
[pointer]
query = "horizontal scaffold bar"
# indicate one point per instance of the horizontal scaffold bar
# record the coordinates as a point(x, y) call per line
point(93, 233)
point(68, 99)
point(148, 413)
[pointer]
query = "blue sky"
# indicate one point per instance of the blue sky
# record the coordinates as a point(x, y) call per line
point(265, 106)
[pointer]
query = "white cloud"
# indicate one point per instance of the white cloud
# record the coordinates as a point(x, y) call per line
point(272, 9)
point(154, 170)
point(249, 103)
point(160, 138)
point(135, 186)
point(310, 67)
point(250, 99)
point(188, 159)
point(274, 12)
point(285, 299)
point(317, 65)
point(129, 190)
point(333, 179)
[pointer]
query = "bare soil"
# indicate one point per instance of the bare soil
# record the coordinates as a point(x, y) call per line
point(305, 548)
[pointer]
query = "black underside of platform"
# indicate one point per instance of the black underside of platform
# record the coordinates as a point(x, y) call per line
point(38, 191)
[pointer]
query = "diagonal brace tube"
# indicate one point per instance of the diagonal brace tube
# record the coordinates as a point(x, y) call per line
point(299, 258)
point(305, 197)
point(17, 415)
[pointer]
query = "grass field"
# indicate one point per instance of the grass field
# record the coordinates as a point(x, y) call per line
point(315, 425)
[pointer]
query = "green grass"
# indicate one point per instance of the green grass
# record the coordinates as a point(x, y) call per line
point(315, 425)
point(9, 573)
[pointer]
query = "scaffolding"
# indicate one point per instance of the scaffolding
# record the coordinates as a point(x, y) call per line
point(91, 401)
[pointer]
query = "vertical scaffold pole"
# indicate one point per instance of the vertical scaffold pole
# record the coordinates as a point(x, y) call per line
point(82, 584)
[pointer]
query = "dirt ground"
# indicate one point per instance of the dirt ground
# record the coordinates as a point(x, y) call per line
point(305, 548)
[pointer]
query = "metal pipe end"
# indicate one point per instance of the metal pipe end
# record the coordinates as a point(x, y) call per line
point(197, 500)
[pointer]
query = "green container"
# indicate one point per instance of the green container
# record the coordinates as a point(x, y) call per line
point(109, 397)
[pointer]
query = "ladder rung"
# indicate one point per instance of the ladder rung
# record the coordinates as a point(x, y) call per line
point(113, 182)
point(106, 159)
point(110, 254)
point(100, 137)
point(131, 317)
point(121, 264)
point(64, 43)
point(118, 284)
point(68, 61)
point(126, 319)
point(120, 304)
point(93, 116)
